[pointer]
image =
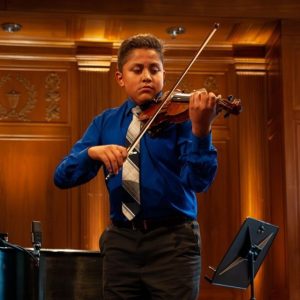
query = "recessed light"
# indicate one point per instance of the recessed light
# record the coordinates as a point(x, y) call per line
point(174, 31)
point(11, 27)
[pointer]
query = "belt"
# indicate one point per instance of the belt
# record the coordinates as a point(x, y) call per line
point(151, 224)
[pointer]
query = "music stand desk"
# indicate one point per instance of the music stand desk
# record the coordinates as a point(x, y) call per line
point(244, 257)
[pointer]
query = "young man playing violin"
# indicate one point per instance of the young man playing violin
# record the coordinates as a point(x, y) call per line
point(151, 250)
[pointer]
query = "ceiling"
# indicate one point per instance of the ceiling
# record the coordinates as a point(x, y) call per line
point(69, 22)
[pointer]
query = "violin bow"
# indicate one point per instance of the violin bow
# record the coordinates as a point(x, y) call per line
point(169, 93)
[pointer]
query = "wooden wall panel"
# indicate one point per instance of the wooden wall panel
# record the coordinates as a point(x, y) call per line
point(253, 169)
point(218, 218)
point(291, 82)
point(277, 268)
point(35, 134)
point(94, 98)
point(253, 155)
point(28, 193)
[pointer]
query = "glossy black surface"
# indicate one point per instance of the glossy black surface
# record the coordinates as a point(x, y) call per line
point(61, 274)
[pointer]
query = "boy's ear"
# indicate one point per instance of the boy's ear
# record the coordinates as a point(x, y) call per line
point(119, 78)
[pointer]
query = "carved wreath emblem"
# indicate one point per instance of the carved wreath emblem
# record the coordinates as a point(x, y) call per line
point(12, 109)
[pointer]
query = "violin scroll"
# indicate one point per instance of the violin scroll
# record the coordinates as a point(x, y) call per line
point(231, 106)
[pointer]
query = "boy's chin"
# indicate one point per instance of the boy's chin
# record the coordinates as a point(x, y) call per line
point(142, 100)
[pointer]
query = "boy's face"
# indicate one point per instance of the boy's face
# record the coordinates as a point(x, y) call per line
point(142, 75)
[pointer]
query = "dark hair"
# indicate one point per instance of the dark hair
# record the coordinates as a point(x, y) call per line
point(139, 41)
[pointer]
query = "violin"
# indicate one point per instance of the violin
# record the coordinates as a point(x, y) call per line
point(176, 110)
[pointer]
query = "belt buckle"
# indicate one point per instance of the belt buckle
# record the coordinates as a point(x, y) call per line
point(133, 226)
point(142, 225)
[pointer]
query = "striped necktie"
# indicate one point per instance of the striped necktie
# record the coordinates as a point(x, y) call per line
point(131, 169)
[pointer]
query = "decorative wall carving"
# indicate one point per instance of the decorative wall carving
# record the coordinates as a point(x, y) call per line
point(12, 108)
point(210, 84)
point(52, 85)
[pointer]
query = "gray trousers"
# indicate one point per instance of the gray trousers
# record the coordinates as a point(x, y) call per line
point(164, 263)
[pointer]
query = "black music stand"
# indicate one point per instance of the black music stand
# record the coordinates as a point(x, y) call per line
point(244, 257)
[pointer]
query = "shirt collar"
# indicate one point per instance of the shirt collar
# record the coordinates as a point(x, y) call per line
point(130, 105)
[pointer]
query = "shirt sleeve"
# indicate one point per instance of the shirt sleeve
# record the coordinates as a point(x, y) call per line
point(77, 167)
point(199, 161)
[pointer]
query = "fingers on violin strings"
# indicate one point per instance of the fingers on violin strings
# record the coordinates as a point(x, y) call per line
point(201, 91)
point(218, 107)
point(195, 97)
point(212, 95)
point(205, 97)
point(198, 97)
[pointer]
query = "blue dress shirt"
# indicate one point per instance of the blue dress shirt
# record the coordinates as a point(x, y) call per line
point(173, 165)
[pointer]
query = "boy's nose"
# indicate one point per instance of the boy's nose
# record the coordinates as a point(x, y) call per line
point(146, 76)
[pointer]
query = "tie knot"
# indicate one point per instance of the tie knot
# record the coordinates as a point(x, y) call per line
point(136, 110)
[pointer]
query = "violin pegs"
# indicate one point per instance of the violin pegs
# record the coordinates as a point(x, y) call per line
point(230, 98)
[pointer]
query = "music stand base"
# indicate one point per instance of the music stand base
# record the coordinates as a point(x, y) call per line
point(252, 255)
point(252, 292)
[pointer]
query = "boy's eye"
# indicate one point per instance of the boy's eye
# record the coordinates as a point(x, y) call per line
point(154, 70)
point(137, 70)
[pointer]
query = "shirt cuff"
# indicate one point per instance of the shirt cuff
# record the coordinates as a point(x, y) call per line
point(201, 143)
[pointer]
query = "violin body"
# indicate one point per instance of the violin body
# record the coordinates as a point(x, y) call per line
point(176, 110)
point(171, 112)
